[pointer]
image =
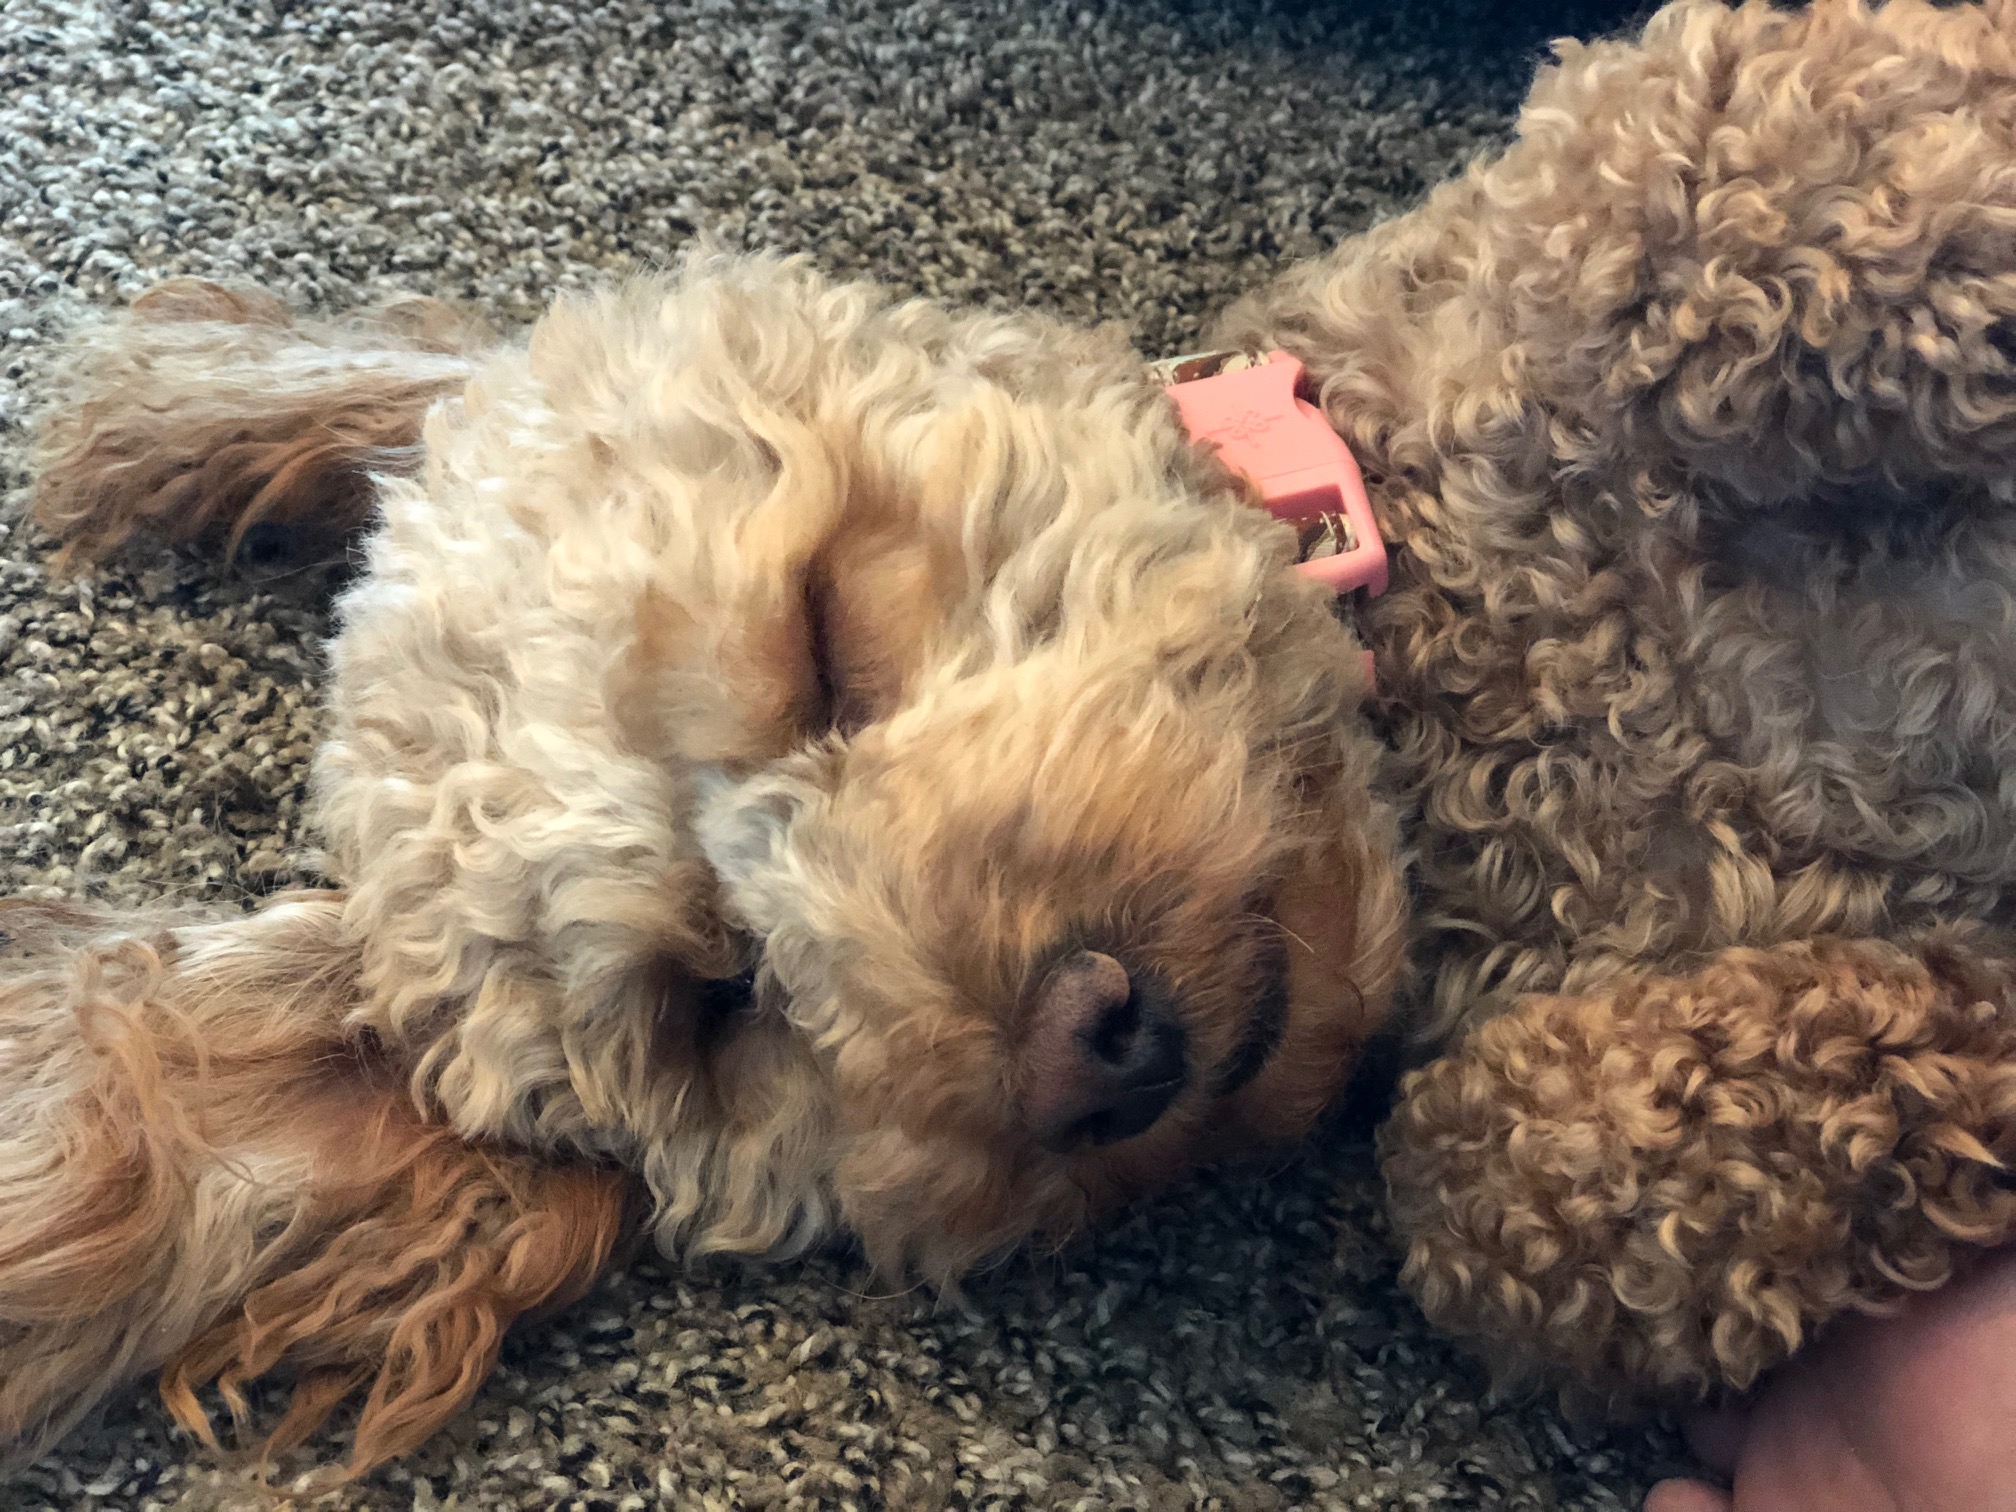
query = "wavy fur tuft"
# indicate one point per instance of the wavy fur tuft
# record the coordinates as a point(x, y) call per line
point(203, 1168)
point(205, 412)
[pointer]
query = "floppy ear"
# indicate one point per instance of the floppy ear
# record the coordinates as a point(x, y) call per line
point(423, 1256)
point(207, 411)
point(203, 1169)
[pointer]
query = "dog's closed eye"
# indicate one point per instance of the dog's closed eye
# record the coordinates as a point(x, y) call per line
point(874, 604)
point(1263, 1028)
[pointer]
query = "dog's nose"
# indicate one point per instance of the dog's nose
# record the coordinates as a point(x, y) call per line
point(1102, 1057)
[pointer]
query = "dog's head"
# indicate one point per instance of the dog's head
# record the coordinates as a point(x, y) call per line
point(915, 662)
point(1057, 933)
point(1055, 825)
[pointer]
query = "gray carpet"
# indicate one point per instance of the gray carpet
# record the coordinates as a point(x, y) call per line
point(1239, 1346)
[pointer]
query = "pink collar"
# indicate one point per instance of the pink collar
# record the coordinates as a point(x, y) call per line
point(1250, 409)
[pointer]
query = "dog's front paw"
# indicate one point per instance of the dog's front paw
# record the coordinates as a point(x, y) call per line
point(1660, 1191)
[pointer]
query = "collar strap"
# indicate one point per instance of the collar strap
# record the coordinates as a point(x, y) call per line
point(1251, 409)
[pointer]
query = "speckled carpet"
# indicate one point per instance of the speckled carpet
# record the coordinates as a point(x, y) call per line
point(1241, 1345)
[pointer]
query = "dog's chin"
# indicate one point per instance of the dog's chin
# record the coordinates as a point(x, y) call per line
point(961, 1212)
point(936, 1211)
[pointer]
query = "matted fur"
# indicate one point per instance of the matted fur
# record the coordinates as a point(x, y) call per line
point(738, 621)
point(1692, 418)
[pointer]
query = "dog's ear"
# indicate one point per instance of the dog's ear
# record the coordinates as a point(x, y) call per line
point(207, 411)
point(406, 1277)
point(203, 1169)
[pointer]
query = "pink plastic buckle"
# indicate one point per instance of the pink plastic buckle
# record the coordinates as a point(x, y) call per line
point(1263, 428)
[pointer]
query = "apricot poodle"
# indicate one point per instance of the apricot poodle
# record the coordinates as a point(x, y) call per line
point(802, 764)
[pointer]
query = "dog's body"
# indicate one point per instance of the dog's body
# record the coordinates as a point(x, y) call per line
point(921, 666)
point(1691, 420)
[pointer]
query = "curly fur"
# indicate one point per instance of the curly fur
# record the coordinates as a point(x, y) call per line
point(1708, 1164)
point(746, 621)
point(1692, 418)
point(737, 620)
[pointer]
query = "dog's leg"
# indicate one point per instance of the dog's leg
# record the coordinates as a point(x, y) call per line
point(1661, 1191)
point(204, 412)
point(1779, 247)
point(202, 1169)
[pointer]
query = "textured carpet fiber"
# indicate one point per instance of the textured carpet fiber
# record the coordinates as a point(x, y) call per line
point(1240, 1345)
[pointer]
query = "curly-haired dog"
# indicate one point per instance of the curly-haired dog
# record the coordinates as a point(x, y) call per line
point(1691, 419)
point(919, 664)
point(854, 767)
